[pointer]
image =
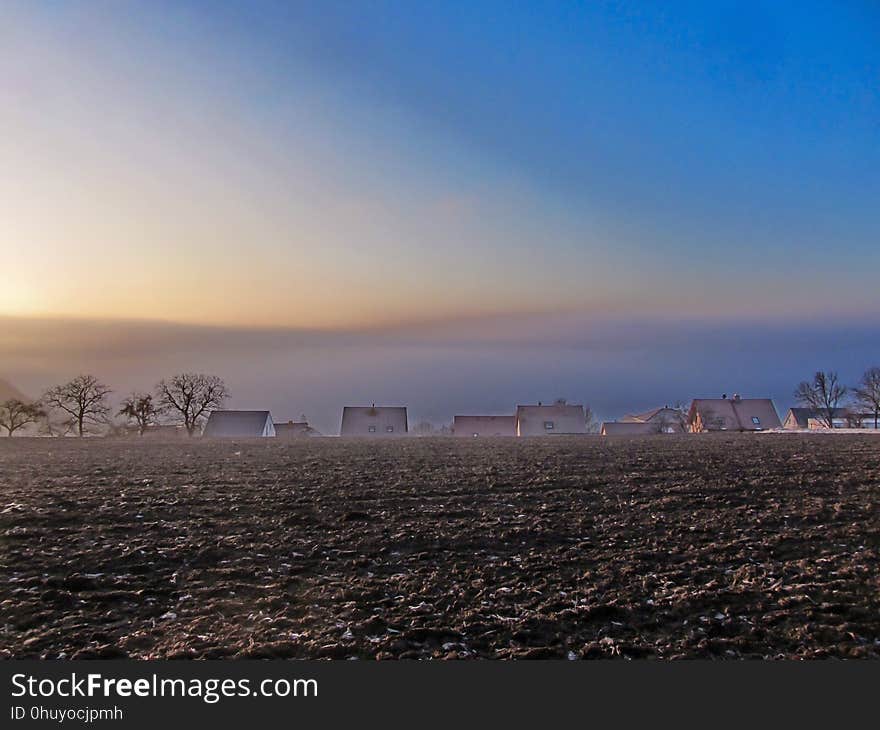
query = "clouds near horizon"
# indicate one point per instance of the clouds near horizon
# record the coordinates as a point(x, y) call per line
point(485, 365)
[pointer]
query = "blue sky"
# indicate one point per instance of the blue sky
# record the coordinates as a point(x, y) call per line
point(737, 132)
point(589, 156)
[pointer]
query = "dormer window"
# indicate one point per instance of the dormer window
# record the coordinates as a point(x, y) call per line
point(371, 429)
point(389, 429)
point(548, 425)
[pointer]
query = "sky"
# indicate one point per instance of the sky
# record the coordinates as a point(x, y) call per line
point(463, 204)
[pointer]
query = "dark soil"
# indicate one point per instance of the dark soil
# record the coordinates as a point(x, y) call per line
point(727, 547)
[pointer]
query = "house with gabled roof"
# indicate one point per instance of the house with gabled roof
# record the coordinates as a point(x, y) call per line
point(239, 424)
point(657, 420)
point(374, 421)
point(295, 430)
point(628, 428)
point(732, 414)
point(810, 419)
point(548, 420)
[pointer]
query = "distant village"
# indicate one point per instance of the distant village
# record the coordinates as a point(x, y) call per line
point(192, 404)
point(558, 418)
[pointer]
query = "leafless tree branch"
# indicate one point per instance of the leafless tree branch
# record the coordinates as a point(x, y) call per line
point(83, 399)
point(16, 414)
point(823, 395)
point(190, 396)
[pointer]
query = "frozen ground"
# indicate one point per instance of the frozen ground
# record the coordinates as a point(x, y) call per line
point(718, 546)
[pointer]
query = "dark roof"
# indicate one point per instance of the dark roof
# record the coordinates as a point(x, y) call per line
point(802, 416)
point(652, 414)
point(292, 429)
point(735, 414)
point(236, 424)
point(373, 420)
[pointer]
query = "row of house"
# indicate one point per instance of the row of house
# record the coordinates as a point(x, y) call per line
point(731, 414)
point(658, 420)
point(253, 424)
point(704, 415)
point(391, 421)
point(807, 418)
point(540, 420)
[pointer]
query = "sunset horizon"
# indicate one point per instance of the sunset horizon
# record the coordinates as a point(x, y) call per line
point(266, 165)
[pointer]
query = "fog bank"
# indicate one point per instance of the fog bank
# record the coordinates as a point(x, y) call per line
point(439, 369)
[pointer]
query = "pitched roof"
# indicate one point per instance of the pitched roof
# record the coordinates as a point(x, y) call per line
point(293, 429)
point(239, 424)
point(802, 416)
point(641, 417)
point(373, 420)
point(672, 413)
point(554, 418)
point(735, 414)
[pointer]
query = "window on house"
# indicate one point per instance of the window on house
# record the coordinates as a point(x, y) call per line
point(372, 429)
point(548, 425)
point(756, 420)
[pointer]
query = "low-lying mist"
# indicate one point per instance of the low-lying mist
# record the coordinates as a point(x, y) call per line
point(440, 369)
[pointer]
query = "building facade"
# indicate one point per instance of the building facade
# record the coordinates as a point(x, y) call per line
point(474, 426)
point(558, 418)
point(732, 414)
point(374, 421)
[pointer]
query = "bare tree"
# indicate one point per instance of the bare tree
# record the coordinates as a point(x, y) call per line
point(590, 421)
point(683, 408)
point(674, 419)
point(190, 396)
point(83, 399)
point(50, 426)
point(424, 428)
point(16, 414)
point(823, 395)
point(139, 408)
point(868, 393)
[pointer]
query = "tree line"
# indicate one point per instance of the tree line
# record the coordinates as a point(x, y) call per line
point(83, 404)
